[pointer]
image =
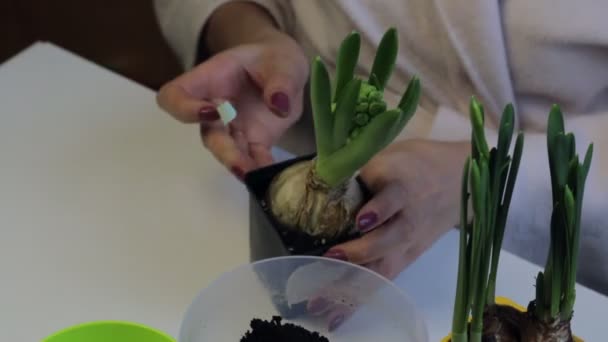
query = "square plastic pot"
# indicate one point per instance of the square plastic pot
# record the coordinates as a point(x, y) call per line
point(269, 238)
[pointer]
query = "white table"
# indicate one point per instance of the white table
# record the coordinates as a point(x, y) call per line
point(109, 209)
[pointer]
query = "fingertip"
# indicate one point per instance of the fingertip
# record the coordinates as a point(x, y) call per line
point(370, 215)
point(380, 208)
point(336, 322)
point(279, 94)
point(364, 249)
point(336, 253)
point(280, 101)
point(239, 166)
point(184, 107)
point(210, 109)
point(260, 154)
point(238, 172)
point(317, 306)
point(367, 220)
point(338, 316)
point(218, 141)
point(355, 251)
point(208, 113)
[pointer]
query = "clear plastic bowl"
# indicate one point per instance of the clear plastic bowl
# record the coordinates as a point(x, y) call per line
point(377, 310)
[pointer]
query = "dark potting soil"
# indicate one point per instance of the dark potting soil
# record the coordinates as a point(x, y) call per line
point(275, 331)
point(502, 323)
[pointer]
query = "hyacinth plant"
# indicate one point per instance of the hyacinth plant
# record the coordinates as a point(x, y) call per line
point(487, 184)
point(320, 197)
point(551, 311)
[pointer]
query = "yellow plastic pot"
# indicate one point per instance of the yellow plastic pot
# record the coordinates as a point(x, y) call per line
point(509, 302)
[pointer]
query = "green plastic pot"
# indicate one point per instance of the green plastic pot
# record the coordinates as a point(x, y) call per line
point(105, 331)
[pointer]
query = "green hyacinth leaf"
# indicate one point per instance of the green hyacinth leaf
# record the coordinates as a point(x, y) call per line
point(348, 56)
point(409, 102)
point(386, 56)
point(374, 81)
point(320, 96)
point(345, 112)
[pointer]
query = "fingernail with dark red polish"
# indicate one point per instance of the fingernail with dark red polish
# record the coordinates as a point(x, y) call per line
point(280, 101)
point(237, 171)
point(208, 114)
point(317, 305)
point(336, 322)
point(367, 222)
point(336, 254)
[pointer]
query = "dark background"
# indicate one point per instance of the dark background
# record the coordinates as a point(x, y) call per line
point(121, 35)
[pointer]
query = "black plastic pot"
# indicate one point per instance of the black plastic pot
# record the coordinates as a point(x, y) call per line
point(268, 238)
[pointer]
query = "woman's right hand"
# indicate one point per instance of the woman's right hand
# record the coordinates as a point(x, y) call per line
point(264, 80)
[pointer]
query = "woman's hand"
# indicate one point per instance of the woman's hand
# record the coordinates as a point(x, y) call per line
point(263, 76)
point(416, 186)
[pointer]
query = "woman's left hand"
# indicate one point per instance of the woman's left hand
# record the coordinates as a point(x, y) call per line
point(416, 187)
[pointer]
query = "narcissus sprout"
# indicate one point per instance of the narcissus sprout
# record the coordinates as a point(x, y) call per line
point(487, 182)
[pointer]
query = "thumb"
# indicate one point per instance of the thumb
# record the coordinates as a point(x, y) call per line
point(283, 84)
point(175, 100)
point(383, 205)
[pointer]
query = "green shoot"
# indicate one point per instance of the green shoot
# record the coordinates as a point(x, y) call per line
point(409, 102)
point(344, 120)
point(555, 287)
point(385, 59)
point(462, 303)
point(348, 54)
point(320, 97)
point(357, 124)
point(490, 176)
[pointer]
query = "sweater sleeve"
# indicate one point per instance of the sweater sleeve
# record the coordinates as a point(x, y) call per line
point(528, 227)
point(182, 21)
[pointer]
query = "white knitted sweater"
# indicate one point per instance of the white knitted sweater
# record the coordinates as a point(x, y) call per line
point(529, 53)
